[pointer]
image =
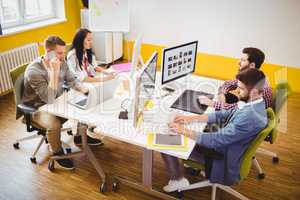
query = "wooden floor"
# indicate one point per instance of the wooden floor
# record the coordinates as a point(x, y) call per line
point(20, 179)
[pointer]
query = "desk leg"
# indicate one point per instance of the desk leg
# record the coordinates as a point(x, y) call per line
point(94, 161)
point(146, 185)
point(147, 167)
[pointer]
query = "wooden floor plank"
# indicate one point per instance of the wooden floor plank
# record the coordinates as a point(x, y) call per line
point(19, 179)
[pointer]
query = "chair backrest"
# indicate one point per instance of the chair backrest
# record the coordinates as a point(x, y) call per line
point(250, 152)
point(281, 93)
point(17, 78)
point(280, 96)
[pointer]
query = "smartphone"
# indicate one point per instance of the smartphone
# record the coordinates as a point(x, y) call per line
point(50, 55)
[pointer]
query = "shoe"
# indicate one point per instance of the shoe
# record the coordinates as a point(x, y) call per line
point(186, 165)
point(175, 185)
point(91, 141)
point(65, 163)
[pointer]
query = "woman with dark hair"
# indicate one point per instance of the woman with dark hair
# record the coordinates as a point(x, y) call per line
point(81, 59)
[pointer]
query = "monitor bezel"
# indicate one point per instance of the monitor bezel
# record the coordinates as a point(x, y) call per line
point(163, 61)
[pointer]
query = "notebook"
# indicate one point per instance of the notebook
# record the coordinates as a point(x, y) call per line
point(124, 67)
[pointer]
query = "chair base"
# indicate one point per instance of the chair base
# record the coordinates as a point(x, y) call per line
point(42, 140)
point(268, 153)
point(265, 152)
point(261, 174)
point(214, 189)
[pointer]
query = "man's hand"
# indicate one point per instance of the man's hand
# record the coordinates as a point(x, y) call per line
point(180, 129)
point(221, 97)
point(110, 76)
point(177, 128)
point(84, 90)
point(205, 101)
point(55, 64)
point(183, 119)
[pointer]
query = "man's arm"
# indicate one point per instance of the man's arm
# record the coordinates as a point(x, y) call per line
point(268, 96)
point(38, 82)
point(227, 86)
point(232, 133)
point(219, 105)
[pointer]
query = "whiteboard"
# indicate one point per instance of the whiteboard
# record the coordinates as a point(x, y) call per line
point(109, 15)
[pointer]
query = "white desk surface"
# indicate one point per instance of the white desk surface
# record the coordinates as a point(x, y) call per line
point(105, 115)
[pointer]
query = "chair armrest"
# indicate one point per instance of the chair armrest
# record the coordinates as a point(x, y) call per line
point(26, 109)
point(27, 112)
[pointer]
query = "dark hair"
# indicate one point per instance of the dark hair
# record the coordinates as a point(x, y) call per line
point(85, 3)
point(77, 44)
point(252, 78)
point(255, 56)
point(52, 41)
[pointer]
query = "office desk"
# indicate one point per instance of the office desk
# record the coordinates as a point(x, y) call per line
point(105, 118)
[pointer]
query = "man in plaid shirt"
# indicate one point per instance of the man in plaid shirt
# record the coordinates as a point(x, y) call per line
point(252, 58)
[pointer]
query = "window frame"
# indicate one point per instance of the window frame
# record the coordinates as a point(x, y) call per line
point(57, 15)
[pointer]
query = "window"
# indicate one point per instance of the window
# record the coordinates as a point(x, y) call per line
point(20, 13)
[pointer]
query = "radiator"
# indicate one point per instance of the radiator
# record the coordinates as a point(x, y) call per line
point(13, 58)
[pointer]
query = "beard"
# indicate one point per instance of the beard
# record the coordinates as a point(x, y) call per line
point(243, 69)
point(245, 99)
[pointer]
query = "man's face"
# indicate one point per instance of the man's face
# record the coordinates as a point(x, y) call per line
point(243, 92)
point(244, 62)
point(60, 52)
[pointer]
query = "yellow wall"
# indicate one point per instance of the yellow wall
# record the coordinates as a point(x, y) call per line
point(207, 65)
point(221, 67)
point(65, 30)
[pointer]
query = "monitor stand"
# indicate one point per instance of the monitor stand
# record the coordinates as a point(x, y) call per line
point(178, 84)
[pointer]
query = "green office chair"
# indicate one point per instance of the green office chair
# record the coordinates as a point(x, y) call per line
point(281, 93)
point(17, 77)
point(247, 160)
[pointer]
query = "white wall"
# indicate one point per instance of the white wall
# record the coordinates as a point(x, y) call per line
point(222, 27)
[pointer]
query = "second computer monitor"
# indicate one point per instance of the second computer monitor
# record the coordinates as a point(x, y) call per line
point(178, 61)
point(148, 74)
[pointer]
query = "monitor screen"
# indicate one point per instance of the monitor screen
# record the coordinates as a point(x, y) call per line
point(178, 61)
point(144, 87)
point(148, 74)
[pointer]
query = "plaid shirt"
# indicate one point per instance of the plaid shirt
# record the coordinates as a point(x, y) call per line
point(232, 85)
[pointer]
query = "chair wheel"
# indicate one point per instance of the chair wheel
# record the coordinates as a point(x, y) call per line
point(179, 195)
point(261, 176)
point(16, 145)
point(103, 187)
point(51, 165)
point(115, 185)
point(68, 150)
point(70, 132)
point(33, 160)
point(275, 159)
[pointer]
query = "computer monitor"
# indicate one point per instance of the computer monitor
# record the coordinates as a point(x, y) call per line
point(136, 57)
point(178, 61)
point(148, 75)
point(144, 83)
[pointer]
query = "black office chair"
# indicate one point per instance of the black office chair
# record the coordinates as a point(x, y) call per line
point(17, 77)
